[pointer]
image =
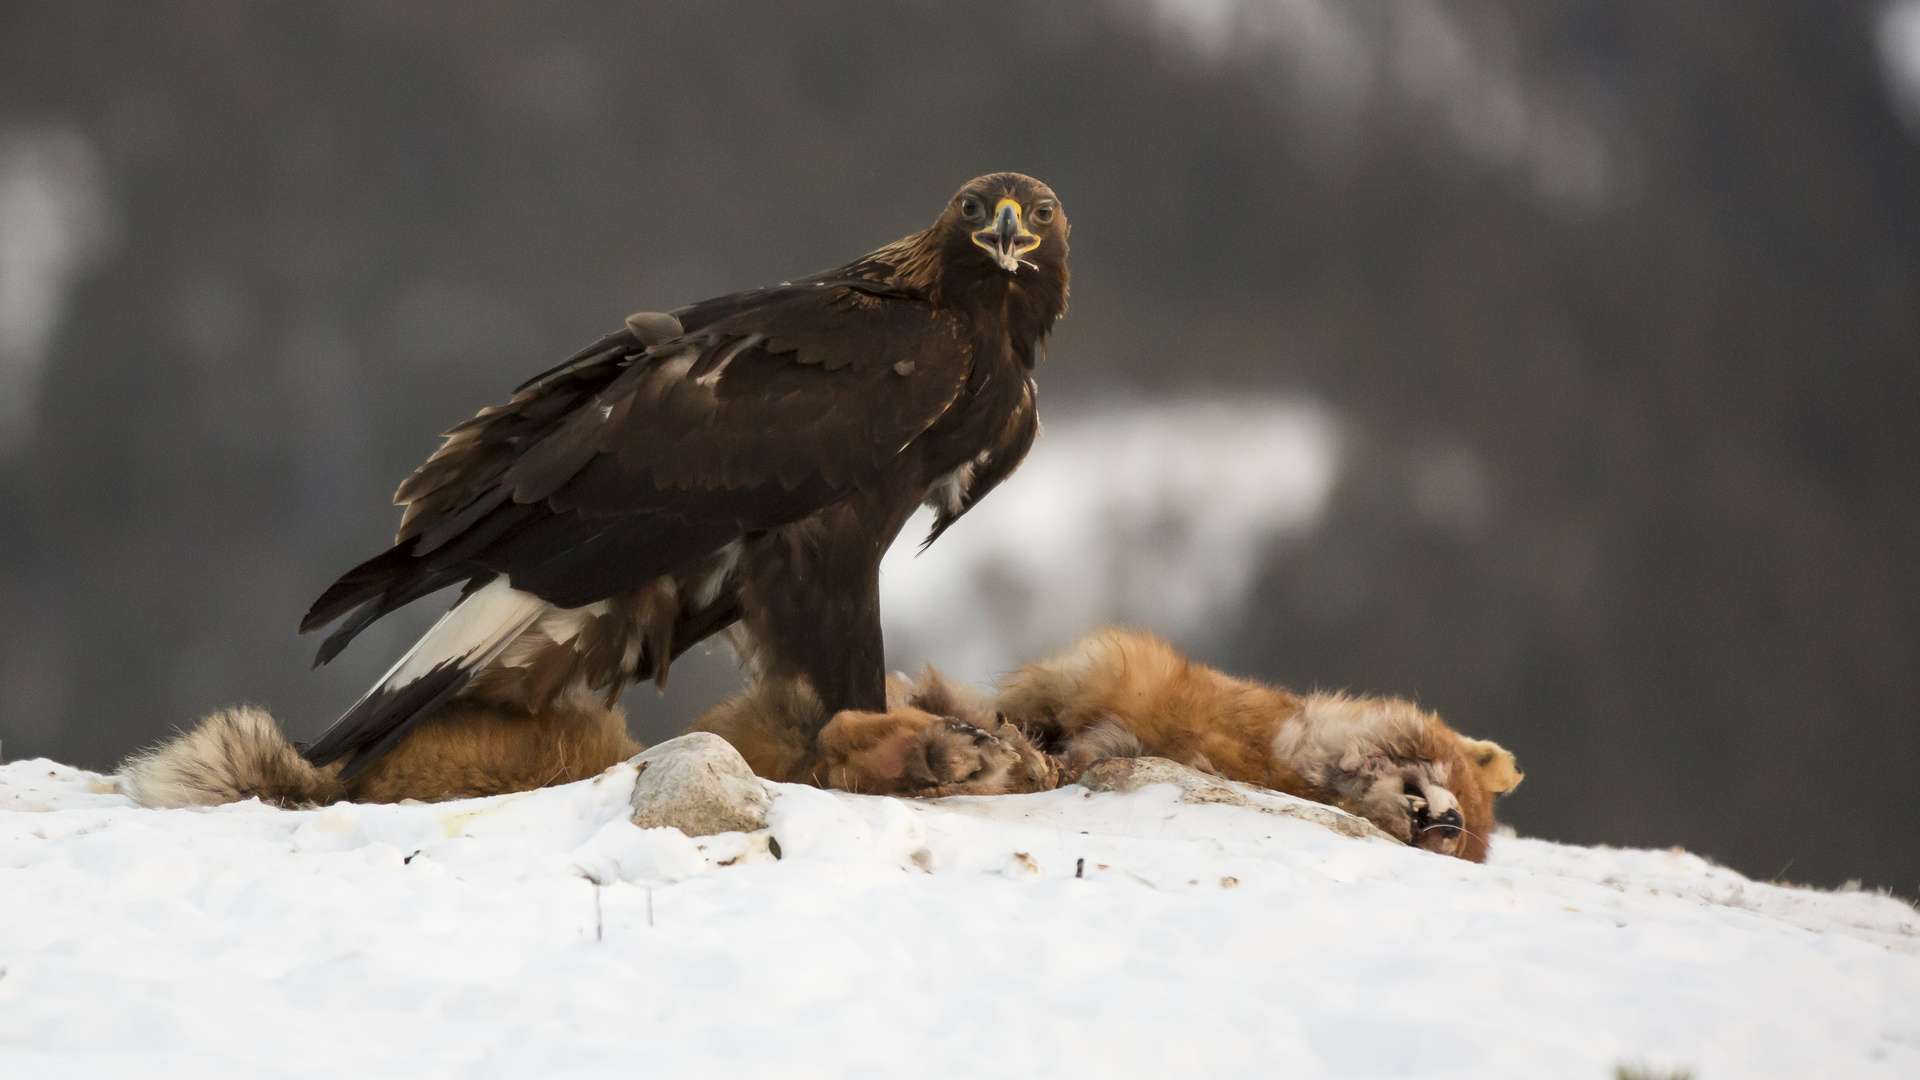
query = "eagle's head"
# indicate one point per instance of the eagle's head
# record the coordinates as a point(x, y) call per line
point(1001, 242)
point(1014, 221)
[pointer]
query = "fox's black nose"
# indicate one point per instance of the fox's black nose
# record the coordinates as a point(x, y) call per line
point(1448, 824)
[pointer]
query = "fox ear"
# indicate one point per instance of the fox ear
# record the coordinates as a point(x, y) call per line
point(1493, 764)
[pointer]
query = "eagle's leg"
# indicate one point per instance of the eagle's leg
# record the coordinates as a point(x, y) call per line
point(811, 597)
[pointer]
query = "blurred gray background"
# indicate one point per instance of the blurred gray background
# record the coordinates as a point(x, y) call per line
point(1571, 348)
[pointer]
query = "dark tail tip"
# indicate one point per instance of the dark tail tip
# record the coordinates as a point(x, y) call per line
point(378, 575)
point(384, 717)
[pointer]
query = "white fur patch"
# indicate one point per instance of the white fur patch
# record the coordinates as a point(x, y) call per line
point(231, 755)
point(1336, 732)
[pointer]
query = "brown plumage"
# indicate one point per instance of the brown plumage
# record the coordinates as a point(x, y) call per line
point(746, 460)
point(1384, 759)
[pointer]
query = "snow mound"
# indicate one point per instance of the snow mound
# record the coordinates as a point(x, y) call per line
point(1071, 931)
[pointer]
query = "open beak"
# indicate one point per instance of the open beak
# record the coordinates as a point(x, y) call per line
point(1006, 239)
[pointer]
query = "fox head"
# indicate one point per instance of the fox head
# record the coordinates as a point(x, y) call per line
point(1402, 768)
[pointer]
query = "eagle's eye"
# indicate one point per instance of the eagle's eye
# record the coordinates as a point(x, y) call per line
point(969, 206)
point(1042, 214)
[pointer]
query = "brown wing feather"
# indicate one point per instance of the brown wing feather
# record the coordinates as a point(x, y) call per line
point(993, 466)
point(633, 455)
point(739, 405)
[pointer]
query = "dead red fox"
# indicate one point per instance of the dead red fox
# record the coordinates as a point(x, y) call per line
point(934, 739)
point(1115, 694)
point(1384, 759)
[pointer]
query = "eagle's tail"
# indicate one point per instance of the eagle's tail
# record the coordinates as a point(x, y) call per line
point(440, 664)
point(381, 585)
point(232, 755)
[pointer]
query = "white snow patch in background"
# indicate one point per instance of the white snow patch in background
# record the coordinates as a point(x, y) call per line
point(1899, 39)
point(1426, 56)
point(1145, 515)
point(53, 227)
point(541, 934)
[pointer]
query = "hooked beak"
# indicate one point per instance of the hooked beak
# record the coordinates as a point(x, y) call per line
point(1006, 239)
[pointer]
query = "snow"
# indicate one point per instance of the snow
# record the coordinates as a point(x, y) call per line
point(1344, 61)
point(1898, 33)
point(1152, 515)
point(54, 226)
point(542, 934)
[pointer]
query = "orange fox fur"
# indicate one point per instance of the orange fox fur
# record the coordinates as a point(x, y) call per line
point(1384, 759)
point(934, 739)
point(1114, 694)
point(464, 750)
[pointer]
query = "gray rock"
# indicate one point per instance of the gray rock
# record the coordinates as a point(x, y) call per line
point(699, 784)
point(1132, 774)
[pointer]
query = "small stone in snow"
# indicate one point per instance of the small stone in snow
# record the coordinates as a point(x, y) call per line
point(699, 784)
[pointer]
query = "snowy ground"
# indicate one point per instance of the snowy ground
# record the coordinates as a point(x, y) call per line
point(897, 938)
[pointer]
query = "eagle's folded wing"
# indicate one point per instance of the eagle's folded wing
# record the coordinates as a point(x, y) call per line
point(634, 459)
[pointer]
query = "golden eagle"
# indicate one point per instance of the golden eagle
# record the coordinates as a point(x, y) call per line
point(743, 460)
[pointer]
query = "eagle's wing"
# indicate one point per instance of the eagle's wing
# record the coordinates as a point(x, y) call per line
point(634, 459)
point(961, 492)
